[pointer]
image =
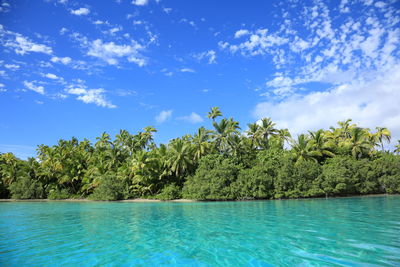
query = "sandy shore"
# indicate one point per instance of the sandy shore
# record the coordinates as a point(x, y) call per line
point(144, 200)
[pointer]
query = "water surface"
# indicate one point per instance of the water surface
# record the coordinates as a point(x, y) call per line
point(320, 232)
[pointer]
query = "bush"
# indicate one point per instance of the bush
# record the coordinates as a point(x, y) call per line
point(170, 192)
point(212, 179)
point(387, 170)
point(254, 183)
point(338, 176)
point(110, 188)
point(26, 188)
point(297, 180)
point(56, 193)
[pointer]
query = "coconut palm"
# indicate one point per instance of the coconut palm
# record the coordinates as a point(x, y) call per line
point(358, 143)
point(265, 131)
point(201, 144)
point(223, 130)
point(180, 158)
point(214, 113)
point(382, 134)
point(320, 145)
point(252, 132)
point(302, 149)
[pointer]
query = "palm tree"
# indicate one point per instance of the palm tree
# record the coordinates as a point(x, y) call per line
point(223, 130)
point(383, 134)
point(301, 149)
point(214, 113)
point(104, 141)
point(201, 144)
point(358, 143)
point(320, 145)
point(266, 130)
point(180, 158)
point(283, 136)
point(252, 132)
point(345, 128)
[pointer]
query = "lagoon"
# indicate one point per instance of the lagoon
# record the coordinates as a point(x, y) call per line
point(355, 231)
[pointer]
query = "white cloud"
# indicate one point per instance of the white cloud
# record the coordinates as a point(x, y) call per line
point(80, 11)
point(187, 70)
point(4, 7)
point(371, 104)
point(36, 88)
point(140, 2)
point(241, 33)
point(111, 52)
point(210, 55)
point(91, 96)
point(11, 66)
point(163, 116)
point(2, 89)
point(192, 118)
point(21, 44)
point(63, 60)
point(51, 76)
point(324, 47)
point(167, 10)
point(63, 31)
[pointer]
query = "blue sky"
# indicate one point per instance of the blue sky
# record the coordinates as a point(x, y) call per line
point(78, 68)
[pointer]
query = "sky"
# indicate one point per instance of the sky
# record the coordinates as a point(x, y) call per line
point(79, 68)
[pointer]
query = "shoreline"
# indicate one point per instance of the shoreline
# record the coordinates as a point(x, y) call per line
point(145, 200)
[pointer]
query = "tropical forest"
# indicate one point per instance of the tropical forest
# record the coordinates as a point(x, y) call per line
point(223, 163)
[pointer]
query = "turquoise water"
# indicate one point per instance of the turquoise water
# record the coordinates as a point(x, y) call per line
point(320, 232)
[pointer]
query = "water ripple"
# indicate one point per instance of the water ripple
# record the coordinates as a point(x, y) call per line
point(334, 232)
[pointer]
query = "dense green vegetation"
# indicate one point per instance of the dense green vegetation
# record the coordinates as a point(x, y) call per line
point(219, 164)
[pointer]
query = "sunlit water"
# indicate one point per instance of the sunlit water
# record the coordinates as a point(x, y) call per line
point(320, 232)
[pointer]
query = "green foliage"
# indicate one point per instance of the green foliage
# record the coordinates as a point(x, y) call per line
point(26, 188)
point(222, 163)
point(58, 194)
point(254, 183)
point(170, 192)
point(338, 177)
point(110, 188)
point(295, 179)
point(387, 168)
point(212, 179)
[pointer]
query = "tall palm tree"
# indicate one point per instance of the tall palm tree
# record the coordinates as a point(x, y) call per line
point(223, 130)
point(265, 131)
point(180, 158)
point(345, 128)
point(201, 144)
point(320, 145)
point(358, 143)
point(104, 141)
point(252, 132)
point(214, 113)
point(302, 149)
point(283, 136)
point(383, 134)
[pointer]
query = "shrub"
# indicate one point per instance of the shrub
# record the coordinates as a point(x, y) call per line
point(212, 179)
point(26, 188)
point(110, 188)
point(254, 183)
point(56, 193)
point(170, 192)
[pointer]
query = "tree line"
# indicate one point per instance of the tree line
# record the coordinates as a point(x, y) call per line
point(223, 163)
